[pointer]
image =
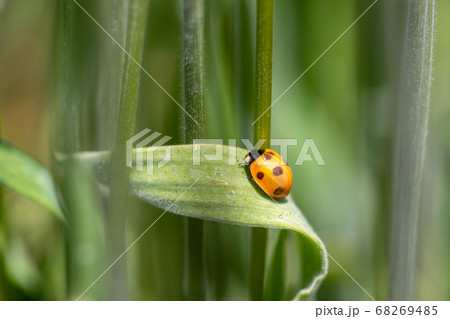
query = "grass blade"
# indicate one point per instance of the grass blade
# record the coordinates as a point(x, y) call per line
point(118, 203)
point(74, 80)
point(413, 108)
point(85, 234)
point(2, 217)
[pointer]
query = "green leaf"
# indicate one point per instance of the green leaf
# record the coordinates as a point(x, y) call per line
point(20, 266)
point(24, 175)
point(217, 189)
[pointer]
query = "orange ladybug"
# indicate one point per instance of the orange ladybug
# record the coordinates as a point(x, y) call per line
point(270, 172)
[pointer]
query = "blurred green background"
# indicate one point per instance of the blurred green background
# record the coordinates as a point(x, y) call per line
point(346, 103)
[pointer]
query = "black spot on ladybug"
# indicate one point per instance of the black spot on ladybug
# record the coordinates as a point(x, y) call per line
point(278, 191)
point(271, 153)
point(267, 156)
point(260, 175)
point(277, 171)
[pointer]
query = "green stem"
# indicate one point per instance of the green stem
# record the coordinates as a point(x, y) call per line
point(276, 274)
point(194, 129)
point(264, 45)
point(70, 110)
point(119, 175)
point(413, 106)
point(194, 69)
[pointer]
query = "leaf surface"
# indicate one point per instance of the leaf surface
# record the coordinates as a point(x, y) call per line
point(24, 175)
point(206, 182)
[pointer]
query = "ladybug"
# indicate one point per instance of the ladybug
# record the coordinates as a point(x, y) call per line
point(270, 172)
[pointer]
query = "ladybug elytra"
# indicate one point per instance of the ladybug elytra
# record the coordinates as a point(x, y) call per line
point(270, 172)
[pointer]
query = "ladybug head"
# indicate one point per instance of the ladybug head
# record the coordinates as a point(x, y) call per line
point(252, 156)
